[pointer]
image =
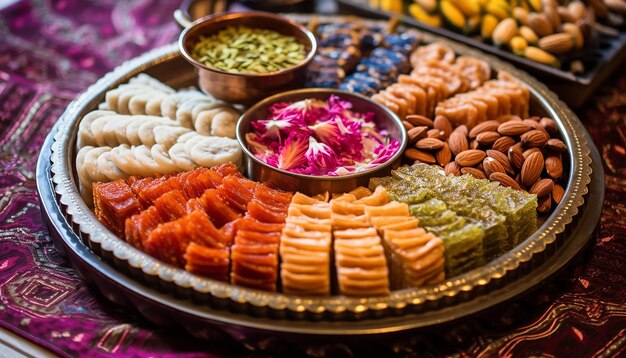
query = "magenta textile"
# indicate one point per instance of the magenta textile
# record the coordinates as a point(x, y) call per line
point(52, 50)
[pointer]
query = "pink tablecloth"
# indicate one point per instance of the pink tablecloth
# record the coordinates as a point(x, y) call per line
point(52, 50)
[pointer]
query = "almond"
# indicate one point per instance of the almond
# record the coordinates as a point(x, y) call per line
point(487, 138)
point(545, 204)
point(535, 138)
point(504, 180)
point(417, 120)
point(542, 187)
point(443, 124)
point(491, 166)
point(444, 155)
point(502, 159)
point(476, 173)
point(461, 129)
point(516, 157)
point(532, 168)
point(474, 144)
point(530, 151)
point(435, 133)
point(407, 125)
point(513, 128)
point(417, 155)
point(416, 133)
point(483, 127)
point(429, 144)
point(452, 168)
point(554, 166)
point(556, 145)
point(549, 125)
point(557, 193)
point(470, 157)
point(458, 142)
point(531, 123)
point(503, 144)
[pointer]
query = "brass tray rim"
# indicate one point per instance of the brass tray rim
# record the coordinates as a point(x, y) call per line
point(97, 236)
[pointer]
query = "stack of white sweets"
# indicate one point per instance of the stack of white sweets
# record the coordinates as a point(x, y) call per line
point(146, 128)
point(305, 247)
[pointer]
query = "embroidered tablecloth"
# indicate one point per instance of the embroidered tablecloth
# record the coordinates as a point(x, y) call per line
point(52, 50)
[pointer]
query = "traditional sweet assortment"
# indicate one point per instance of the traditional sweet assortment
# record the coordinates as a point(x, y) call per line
point(145, 127)
point(477, 220)
point(243, 49)
point(164, 173)
point(316, 137)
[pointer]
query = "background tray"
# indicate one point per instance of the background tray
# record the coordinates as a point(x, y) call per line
point(605, 55)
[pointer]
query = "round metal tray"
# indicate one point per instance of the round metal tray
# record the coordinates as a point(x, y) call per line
point(163, 293)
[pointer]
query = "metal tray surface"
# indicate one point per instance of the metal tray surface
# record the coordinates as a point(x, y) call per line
point(372, 314)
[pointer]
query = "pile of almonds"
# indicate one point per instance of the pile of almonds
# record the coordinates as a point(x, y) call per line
point(520, 153)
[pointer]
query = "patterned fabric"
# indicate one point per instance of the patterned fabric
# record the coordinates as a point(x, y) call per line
point(52, 50)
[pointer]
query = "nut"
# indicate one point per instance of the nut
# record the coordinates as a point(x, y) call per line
point(549, 125)
point(554, 166)
point(435, 133)
point(470, 157)
point(487, 138)
point(540, 24)
point(557, 193)
point(530, 151)
point(407, 125)
point(557, 43)
point(556, 145)
point(502, 159)
point(416, 133)
point(535, 138)
point(545, 204)
point(417, 155)
point(542, 187)
point(491, 166)
point(417, 120)
point(444, 155)
point(474, 144)
point(516, 157)
point(476, 173)
point(483, 127)
point(513, 128)
point(504, 180)
point(532, 168)
point(452, 168)
point(461, 129)
point(503, 144)
point(458, 142)
point(429, 144)
point(443, 124)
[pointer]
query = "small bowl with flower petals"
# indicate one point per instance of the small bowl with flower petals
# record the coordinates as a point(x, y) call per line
point(318, 140)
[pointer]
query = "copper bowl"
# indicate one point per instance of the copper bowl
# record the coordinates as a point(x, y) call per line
point(247, 88)
point(311, 184)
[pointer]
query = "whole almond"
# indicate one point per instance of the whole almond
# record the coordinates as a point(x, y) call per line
point(513, 128)
point(502, 159)
point(444, 155)
point(554, 166)
point(542, 187)
point(443, 124)
point(532, 168)
point(458, 142)
point(508, 117)
point(483, 127)
point(556, 145)
point(416, 133)
point(531, 123)
point(407, 125)
point(417, 155)
point(417, 120)
point(557, 193)
point(491, 166)
point(549, 125)
point(487, 138)
point(476, 173)
point(452, 168)
point(435, 133)
point(429, 144)
point(530, 151)
point(470, 157)
point(503, 144)
point(516, 157)
point(461, 129)
point(545, 204)
point(504, 180)
point(535, 138)
point(474, 144)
